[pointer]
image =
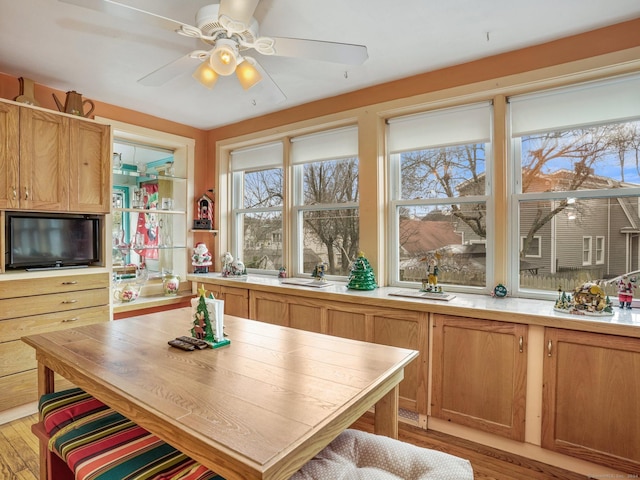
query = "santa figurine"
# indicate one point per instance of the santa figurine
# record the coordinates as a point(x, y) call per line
point(201, 258)
point(626, 286)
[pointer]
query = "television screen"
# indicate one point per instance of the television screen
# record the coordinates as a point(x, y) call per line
point(50, 240)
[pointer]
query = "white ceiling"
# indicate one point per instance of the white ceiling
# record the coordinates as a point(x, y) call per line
point(68, 47)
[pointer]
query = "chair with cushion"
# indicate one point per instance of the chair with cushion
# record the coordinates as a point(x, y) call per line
point(355, 455)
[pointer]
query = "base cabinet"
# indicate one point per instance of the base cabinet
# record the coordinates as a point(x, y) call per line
point(479, 374)
point(399, 328)
point(236, 300)
point(591, 392)
point(40, 305)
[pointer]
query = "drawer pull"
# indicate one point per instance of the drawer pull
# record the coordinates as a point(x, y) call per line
point(74, 282)
point(26, 193)
point(549, 348)
point(70, 301)
point(67, 320)
point(521, 344)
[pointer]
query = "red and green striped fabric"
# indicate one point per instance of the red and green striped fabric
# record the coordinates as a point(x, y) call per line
point(104, 445)
point(61, 408)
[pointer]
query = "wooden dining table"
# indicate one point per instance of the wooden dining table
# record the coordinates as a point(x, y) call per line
point(258, 408)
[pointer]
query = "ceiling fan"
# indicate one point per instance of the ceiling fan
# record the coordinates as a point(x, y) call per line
point(229, 32)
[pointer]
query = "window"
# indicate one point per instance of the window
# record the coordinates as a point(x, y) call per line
point(439, 173)
point(533, 247)
point(586, 250)
point(576, 179)
point(325, 179)
point(257, 204)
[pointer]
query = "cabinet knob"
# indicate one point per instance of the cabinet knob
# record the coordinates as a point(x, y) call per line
point(549, 346)
point(521, 344)
point(26, 193)
point(14, 192)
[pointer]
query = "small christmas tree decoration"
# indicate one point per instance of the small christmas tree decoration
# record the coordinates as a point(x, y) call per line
point(203, 328)
point(361, 276)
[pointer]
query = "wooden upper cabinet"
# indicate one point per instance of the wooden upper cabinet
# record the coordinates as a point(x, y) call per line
point(479, 374)
point(9, 155)
point(44, 161)
point(90, 167)
point(53, 162)
point(590, 397)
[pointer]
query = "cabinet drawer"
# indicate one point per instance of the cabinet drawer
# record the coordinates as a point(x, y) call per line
point(55, 302)
point(21, 388)
point(16, 328)
point(44, 285)
point(15, 357)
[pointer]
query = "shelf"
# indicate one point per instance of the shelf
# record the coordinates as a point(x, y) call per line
point(124, 248)
point(146, 175)
point(150, 210)
point(201, 230)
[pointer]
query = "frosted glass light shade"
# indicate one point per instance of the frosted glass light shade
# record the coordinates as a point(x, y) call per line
point(206, 75)
point(223, 59)
point(247, 74)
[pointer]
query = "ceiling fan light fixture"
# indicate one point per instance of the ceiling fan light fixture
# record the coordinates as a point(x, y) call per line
point(247, 74)
point(206, 75)
point(224, 57)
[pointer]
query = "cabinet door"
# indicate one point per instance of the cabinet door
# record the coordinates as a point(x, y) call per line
point(269, 308)
point(90, 167)
point(479, 374)
point(236, 301)
point(44, 160)
point(406, 329)
point(9, 155)
point(590, 397)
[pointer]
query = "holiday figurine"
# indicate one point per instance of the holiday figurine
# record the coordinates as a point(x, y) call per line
point(282, 273)
point(430, 284)
point(202, 328)
point(319, 272)
point(626, 285)
point(201, 258)
point(232, 267)
point(361, 276)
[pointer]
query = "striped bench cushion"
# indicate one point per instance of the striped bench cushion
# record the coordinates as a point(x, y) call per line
point(59, 409)
point(101, 444)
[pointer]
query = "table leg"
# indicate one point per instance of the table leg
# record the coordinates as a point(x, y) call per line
point(45, 380)
point(386, 414)
point(46, 384)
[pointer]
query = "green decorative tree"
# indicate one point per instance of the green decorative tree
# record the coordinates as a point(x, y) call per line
point(202, 323)
point(361, 276)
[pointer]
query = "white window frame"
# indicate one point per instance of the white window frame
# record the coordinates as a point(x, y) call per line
point(250, 160)
point(538, 239)
point(439, 130)
point(590, 103)
point(588, 251)
point(326, 145)
point(600, 249)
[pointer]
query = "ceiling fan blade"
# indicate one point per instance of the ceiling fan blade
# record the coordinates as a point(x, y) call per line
point(171, 70)
point(121, 10)
point(238, 10)
point(267, 89)
point(346, 53)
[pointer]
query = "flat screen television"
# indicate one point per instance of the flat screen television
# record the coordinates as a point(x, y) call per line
point(50, 240)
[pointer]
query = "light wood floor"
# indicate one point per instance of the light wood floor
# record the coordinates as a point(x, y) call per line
point(19, 453)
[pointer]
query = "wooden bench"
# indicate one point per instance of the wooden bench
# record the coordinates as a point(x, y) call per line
point(84, 439)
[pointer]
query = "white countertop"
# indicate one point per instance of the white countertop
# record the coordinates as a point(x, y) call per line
point(517, 310)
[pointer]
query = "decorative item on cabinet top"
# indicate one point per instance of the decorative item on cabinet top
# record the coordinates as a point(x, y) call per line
point(26, 92)
point(204, 212)
point(74, 104)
